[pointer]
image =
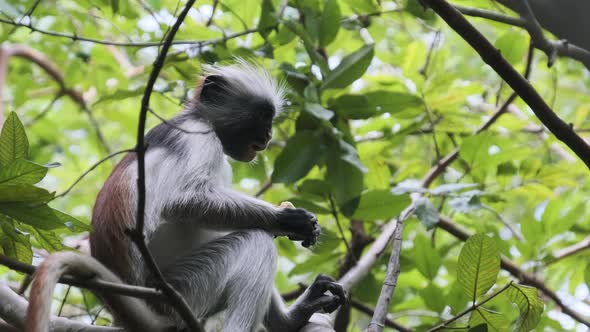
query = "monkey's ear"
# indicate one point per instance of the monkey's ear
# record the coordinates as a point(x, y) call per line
point(213, 88)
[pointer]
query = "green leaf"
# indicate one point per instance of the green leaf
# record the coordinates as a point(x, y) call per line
point(513, 45)
point(426, 212)
point(307, 40)
point(494, 321)
point(529, 304)
point(40, 216)
point(353, 106)
point(300, 155)
point(330, 22)
point(47, 240)
point(433, 297)
point(351, 68)
point(479, 265)
point(13, 140)
point(587, 275)
point(344, 173)
point(72, 223)
point(448, 188)
point(318, 111)
point(24, 193)
point(380, 205)
point(426, 257)
point(22, 172)
point(14, 243)
point(115, 6)
point(268, 18)
point(479, 328)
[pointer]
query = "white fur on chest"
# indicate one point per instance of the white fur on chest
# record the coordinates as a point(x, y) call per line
point(167, 178)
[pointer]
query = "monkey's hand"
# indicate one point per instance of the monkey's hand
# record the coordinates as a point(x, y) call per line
point(299, 225)
point(324, 294)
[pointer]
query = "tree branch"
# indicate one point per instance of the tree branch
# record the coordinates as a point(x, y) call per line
point(136, 234)
point(551, 48)
point(95, 285)
point(491, 15)
point(391, 275)
point(519, 84)
point(13, 309)
point(572, 250)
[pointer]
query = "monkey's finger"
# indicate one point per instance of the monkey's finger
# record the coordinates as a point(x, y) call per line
point(336, 302)
point(337, 290)
point(322, 302)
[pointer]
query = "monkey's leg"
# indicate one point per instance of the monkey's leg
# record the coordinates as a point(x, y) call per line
point(234, 272)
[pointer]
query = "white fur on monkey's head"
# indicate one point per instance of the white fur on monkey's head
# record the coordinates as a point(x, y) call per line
point(247, 78)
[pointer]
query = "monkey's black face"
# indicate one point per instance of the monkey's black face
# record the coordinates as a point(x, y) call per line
point(243, 122)
point(249, 133)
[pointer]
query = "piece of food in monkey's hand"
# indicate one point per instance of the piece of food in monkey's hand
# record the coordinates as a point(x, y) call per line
point(287, 204)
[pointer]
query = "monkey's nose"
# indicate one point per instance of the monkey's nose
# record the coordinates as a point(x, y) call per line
point(258, 146)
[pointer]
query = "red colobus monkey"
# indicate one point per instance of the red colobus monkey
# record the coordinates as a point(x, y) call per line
point(214, 245)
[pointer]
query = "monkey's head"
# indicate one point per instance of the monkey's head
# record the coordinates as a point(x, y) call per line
point(240, 101)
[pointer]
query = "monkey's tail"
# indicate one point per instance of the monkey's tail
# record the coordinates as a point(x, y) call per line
point(138, 315)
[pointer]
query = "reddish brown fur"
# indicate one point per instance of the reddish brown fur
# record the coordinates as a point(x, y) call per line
point(111, 217)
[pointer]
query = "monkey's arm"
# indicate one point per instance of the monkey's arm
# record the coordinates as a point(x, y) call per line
point(226, 209)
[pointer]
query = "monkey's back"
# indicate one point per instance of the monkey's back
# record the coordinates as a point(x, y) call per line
point(111, 217)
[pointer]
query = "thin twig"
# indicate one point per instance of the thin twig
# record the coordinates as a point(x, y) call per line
point(45, 110)
point(491, 15)
point(136, 234)
point(210, 20)
point(470, 309)
point(93, 167)
point(63, 301)
point(337, 220)
point(127, 44)
point(571, 250)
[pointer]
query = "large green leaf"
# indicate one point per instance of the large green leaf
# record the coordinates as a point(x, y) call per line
point(302, 152)
point(40, 216)
point(21, 172)
point(479, 264)
point(529, 304)
point(426, 257)
point(344, 174)
point(13, 243)
point(351, 68)
point(495, 321)
point(329, 23)
point(268, 18)
point(380, 205)
point(13, 140)
point(24, 193)
point(426, 212)
point(45, 239)
point(355, 106)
